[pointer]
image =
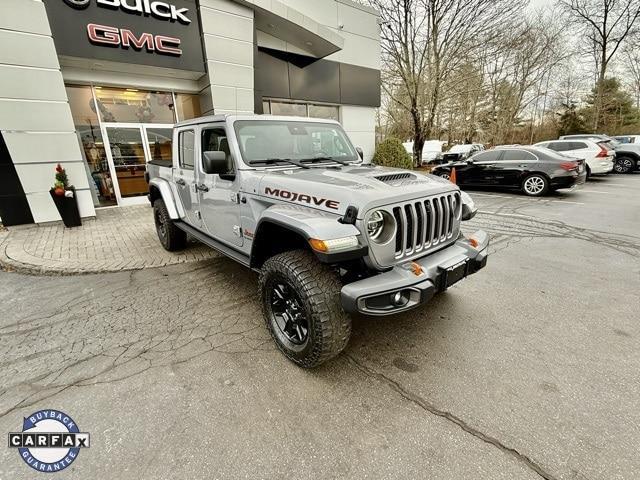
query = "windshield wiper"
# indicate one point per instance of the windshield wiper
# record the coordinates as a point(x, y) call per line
point(271, 161)
point(327, 159)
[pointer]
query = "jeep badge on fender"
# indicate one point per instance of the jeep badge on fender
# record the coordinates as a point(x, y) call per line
point(329, 235)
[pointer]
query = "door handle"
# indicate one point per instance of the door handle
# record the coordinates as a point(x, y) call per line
point(202, 188)
point(181, 182)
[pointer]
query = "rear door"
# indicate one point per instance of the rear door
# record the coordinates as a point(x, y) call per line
point(184, 176)
point(512, 166)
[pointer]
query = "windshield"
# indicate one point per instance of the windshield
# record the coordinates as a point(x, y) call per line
point(272, 140)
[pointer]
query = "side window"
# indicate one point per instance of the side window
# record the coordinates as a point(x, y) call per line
point(491, 156)
point(578, 146)
point(187, 142)
point(561, 146)
point(215, 140)
point(518, 156)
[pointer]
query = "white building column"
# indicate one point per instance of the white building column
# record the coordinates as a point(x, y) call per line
point(360, 125)
point(228, 34)
point(35, 117)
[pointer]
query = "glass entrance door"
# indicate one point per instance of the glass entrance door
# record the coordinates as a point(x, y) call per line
point(129, 148)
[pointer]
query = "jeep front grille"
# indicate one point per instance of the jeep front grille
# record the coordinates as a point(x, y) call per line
point(425, 224)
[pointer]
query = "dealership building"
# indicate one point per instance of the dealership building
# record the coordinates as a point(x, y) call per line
point(97, 85)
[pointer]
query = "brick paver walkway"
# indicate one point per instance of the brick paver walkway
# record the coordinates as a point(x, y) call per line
point(118, 239)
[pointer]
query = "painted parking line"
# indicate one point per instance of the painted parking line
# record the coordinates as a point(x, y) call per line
point(597, 191)
point(566, 201)
point(491, 195)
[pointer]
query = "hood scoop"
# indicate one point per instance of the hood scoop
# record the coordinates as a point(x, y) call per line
point(395, 177)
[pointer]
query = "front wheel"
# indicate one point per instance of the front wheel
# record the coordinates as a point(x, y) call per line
point(445, 174)
point(624, 165)
point(535, 185)
point(301, 305)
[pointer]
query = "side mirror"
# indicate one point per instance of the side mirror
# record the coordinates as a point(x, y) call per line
point(215, 163)
point(470, 161)
point(360, 153)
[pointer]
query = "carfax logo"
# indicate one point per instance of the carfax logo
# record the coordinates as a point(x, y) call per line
point(50, 440)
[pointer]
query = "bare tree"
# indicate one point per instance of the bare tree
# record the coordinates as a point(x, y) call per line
point(632, 66)
point(604, 25)
point(518, 77)
point(424, 42)
point(404, 55)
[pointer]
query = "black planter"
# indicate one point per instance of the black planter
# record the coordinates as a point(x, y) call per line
point(68, 209)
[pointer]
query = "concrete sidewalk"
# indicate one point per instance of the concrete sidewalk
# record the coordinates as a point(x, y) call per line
point(117, 239)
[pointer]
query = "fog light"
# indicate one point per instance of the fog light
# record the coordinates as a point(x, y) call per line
point(398, 299)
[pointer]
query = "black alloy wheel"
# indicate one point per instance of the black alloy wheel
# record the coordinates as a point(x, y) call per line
point(288, 312)
point(623, 165)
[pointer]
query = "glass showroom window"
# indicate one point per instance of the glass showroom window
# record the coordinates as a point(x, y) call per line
point(187, 106)
point(85, 118)
point(129, 105)
point(299, 109)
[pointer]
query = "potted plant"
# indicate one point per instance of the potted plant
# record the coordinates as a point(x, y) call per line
point(64, 196)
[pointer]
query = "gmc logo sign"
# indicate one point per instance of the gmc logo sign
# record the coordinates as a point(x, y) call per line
point(122, 37)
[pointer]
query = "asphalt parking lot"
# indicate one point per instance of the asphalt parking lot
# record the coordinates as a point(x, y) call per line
point(526, 370)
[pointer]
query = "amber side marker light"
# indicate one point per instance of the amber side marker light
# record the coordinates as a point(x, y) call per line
point(318, 245)
point(473, 242)
point(333, 245)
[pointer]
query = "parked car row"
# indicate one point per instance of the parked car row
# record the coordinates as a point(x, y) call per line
point(534, 170)
point(599, 158)
point(432, 152)
point(627, 154)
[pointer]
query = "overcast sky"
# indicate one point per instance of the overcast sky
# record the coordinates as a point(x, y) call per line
point(539, 3)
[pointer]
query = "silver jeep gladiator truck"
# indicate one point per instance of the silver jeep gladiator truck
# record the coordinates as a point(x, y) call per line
point(329, 236)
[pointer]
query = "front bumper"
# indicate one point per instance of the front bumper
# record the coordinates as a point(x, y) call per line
point(411, 284)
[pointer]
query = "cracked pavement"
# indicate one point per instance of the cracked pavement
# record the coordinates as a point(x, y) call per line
point(527, 370)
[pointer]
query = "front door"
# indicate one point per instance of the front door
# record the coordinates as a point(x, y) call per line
point(184, 176)
point(129, 147)
point(219, 194)
point(484, 168)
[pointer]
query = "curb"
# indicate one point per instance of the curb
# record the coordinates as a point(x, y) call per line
point(10, 265)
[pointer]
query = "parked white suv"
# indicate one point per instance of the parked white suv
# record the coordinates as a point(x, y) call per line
point(599, 158)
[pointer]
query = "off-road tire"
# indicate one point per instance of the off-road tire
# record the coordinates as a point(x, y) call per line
point(536, 177)
point(170, 236)
point(318, 288)
point(624, 165)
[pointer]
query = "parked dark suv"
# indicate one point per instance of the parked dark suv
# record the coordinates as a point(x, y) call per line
point(533, 170)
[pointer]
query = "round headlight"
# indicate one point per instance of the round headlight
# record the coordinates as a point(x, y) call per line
point(375, 225)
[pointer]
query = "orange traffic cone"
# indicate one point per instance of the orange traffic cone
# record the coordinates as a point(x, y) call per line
point(452, 177)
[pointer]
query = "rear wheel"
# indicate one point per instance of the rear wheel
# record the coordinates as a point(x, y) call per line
point(535, 185)
point(301, 306)
point(588, 173)
point(624, 165)
point(170, 236)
